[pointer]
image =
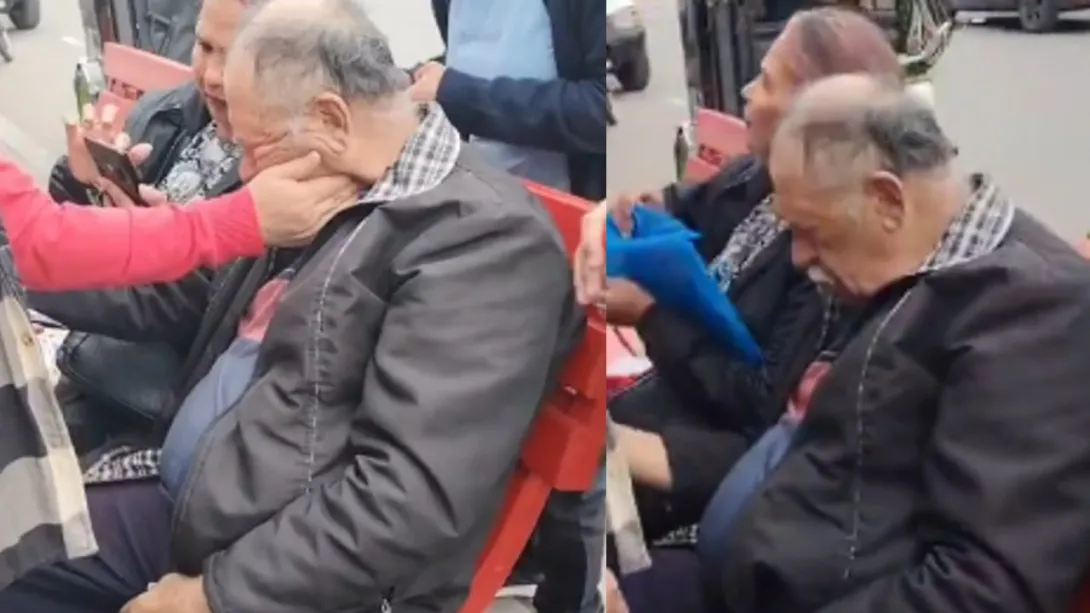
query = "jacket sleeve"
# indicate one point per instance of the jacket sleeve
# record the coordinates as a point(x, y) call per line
point(58, 247)
point(451, 391)
point(1008, 475)
point(63, 187)
point(708, 375)
point(559, 115)
point(164, 312)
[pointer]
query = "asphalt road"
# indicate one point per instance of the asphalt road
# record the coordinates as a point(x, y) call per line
point(1016, 103)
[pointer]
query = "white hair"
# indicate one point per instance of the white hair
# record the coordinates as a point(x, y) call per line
point(332, 46)
point(850, 125)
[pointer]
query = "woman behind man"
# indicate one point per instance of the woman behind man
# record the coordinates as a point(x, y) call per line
point(689, 423)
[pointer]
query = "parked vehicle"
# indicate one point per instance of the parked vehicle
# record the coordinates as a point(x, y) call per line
point(24, 14)
point(1034, 15)
point(724, 41)
point(626, 45)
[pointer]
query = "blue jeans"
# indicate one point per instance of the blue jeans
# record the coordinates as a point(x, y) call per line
point(571, 547)
point(132, 525)
point(735, 490)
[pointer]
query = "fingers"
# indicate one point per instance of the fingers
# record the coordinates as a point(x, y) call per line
point(138, 153)
point(116, 195)
point(88, 117)
point(121, 142)
point(107, 119)
point(590, 259)
point(103, 124)
point(71, 130)
point(620, 209)
point(332, 188)
point(298, 169)
point(152, 196)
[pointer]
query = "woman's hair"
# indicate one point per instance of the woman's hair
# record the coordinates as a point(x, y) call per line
point(836, 40)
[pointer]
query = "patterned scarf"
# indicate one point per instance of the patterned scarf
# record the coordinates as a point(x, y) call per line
point(46, 518)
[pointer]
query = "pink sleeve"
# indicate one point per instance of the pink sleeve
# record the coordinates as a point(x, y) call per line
point(60, 247)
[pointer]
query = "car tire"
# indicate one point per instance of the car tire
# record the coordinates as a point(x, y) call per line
point(5, 46)
point(26, 14)
point(1038, 16)
point(635, 74)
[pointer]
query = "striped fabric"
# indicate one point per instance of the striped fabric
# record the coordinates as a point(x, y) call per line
point(45, 517)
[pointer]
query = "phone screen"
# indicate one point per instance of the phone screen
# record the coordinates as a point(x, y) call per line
point(117, 167)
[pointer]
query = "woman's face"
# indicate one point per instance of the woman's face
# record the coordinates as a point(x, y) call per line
point(768, 95)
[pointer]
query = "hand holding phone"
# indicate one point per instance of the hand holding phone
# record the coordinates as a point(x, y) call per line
point(116, 167)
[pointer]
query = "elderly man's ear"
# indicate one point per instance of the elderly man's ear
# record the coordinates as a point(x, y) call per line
point(331, 126)
point(887, 193)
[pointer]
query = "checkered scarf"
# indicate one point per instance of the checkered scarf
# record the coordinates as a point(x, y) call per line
point(45, 518)
point(977, 229)
point(426, 160)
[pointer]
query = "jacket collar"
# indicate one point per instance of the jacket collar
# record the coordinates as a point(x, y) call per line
point(977, 230)
point(427, 158)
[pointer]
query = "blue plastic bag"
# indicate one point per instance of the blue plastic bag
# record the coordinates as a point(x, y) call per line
point(660, 257)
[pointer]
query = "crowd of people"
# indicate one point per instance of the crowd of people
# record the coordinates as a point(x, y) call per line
point(323, 359)
point(914, 440)
point(317, 413)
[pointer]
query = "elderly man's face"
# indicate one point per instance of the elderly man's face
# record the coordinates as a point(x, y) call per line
point(267, 137)
point(841, 235)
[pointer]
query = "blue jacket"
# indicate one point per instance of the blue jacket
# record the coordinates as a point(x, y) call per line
point(567, 114)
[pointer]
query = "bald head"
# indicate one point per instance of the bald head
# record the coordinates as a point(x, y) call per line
point(832, 40)
point(857, 124)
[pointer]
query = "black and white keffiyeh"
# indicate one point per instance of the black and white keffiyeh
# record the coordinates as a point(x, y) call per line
point(45, 516)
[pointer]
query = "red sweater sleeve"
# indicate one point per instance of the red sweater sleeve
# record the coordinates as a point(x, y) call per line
point(61, 247)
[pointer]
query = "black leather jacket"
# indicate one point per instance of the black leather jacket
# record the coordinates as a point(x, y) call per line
point(120, 355)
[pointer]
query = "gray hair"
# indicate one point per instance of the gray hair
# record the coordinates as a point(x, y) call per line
point(852, 124)
point(323, 45)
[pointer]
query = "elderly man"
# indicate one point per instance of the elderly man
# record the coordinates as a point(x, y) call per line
point(349, 445)
point(943, 464)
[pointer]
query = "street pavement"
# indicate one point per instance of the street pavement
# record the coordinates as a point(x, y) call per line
point(1017, 104)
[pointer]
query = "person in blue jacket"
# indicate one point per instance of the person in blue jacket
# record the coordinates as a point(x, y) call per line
point(526, 81)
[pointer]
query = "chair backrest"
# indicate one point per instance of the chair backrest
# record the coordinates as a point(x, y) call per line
point(719, 139)
point(130, 72)
point(564, 449)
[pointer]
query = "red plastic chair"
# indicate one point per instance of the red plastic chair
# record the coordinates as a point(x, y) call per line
point(130, 72)
point(564, 450)
point(719, 139)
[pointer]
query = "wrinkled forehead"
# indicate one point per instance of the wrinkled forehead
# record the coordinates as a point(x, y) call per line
point(802, 198)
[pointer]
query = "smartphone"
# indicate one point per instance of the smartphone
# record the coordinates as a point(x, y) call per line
point(117, 167)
